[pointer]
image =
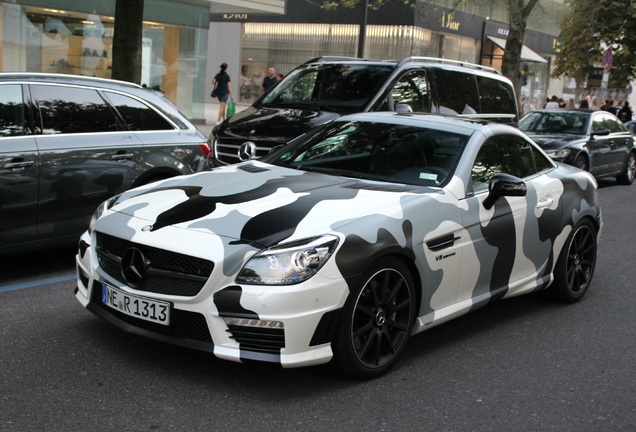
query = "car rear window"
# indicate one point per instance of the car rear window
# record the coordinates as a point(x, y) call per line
point(137, 115)
point(495, 96)
point(456, 92)
point(11, 110)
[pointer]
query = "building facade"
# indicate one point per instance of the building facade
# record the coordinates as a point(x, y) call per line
point(473, 32)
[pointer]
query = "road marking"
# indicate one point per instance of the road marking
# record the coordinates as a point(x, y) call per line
point(37, 283)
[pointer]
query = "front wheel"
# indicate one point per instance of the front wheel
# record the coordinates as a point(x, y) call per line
point(581, 163)
point(377, 320)
point(575, 267)
point(628, 174)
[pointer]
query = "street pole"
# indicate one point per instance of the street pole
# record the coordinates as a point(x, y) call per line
point(363, 30)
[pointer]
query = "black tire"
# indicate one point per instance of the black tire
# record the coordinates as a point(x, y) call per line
point(581, 162)
point(377, 321)
point(628, 174)
point(575, 267)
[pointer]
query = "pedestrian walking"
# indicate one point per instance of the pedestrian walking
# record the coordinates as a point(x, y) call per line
point(222, 90)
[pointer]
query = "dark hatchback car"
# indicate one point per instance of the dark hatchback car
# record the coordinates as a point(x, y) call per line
point(69, 142)
point(595, 141)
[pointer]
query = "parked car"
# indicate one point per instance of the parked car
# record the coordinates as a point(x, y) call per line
point(595, 141)
point(631, 126)
point(344, 243)
point(325, 88)
point(69, 142)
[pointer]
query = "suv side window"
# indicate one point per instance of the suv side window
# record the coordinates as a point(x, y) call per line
point(137, 115)
point(413, 89)
point(507, 154)
point(456, 92)
point(73, 110)
point(11, 110)
point(495, 96)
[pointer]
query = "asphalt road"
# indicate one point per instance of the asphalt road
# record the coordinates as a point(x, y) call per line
point(525, 364)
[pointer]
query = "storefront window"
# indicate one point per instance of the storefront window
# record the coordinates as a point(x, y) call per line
point(57, 41)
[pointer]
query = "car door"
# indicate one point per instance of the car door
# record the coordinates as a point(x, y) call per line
point(621, 143)
point(510, 240)
point(599, 147)
point(18, 170)
point(86, 156)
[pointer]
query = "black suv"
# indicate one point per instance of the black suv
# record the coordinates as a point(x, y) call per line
point(67, 143)
point(326, 88)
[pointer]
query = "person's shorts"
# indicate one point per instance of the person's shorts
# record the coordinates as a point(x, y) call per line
point(223, 98)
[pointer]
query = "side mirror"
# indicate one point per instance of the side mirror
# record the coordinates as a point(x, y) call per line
point(600, 132)
point(403, 108)
point(502, 185)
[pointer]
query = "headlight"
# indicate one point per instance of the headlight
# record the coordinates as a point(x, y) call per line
point(560, 154)
point(288, 264)
point(103, 207)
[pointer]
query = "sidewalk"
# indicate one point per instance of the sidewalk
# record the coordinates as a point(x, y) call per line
point(211, 112)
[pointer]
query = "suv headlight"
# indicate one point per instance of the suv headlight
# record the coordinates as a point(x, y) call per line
point(101, 209)
point(560, 154)
point(289, 263)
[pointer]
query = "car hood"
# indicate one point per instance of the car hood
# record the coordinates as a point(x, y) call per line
point(261, 204)
point(556, 141)
point(272, 123)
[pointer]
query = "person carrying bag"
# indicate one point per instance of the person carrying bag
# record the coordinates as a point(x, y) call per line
point(223, 91)
point(231, 108)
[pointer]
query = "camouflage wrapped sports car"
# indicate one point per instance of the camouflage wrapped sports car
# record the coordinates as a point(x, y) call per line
point(342, 244)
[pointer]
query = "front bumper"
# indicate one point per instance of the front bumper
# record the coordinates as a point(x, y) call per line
point(286, 325)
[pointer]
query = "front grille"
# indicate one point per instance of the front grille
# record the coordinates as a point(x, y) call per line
point(167, 272)
point(266, 340)
point(183, 324)
point(226, 150)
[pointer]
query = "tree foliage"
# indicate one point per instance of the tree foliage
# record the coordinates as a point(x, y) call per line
point(588, 29)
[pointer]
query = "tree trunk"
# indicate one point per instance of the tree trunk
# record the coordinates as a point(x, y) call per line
point(129, 16)
point(518, 16)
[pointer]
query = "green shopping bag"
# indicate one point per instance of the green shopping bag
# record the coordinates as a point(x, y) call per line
point(231, 109)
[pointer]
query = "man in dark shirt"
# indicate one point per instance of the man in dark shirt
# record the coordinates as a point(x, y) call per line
point(269, 81)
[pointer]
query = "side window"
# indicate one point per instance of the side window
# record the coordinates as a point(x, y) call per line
point(507, 154)
point(597, 122)
point(495, 96)
point(73, 110)
point(137, 115)
point(456, 92)
point(412, 89)
point(611, 123)
point(11, 110)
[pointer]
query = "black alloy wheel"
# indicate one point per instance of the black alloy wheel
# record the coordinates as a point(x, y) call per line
point(377, 322)
point(575, 268)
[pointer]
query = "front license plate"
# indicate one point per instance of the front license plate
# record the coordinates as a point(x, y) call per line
point(138, 307)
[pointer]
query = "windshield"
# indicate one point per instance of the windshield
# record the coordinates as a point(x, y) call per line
point(565, 122)
point(378, 151)
point(343, 88)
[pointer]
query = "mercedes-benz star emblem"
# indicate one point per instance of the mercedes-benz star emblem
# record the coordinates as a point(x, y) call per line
point(133, 266)
point(247, 151)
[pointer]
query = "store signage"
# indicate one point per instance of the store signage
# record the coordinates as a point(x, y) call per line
point(448, 21)
point(235, 16)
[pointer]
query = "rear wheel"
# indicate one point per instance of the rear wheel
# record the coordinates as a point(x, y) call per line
point(628, 174)
point(575, 267)
point(377, 320)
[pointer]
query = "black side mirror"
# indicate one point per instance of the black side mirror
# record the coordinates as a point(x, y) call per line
point(600, 132)
point(504, 185)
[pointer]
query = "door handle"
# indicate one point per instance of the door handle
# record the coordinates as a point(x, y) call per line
point(546, 202)
point(19, 166)
point(122, 156)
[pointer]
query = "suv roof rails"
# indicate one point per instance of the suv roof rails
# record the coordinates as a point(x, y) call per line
point(332, 58)
point(60, 76)
point(452, 62)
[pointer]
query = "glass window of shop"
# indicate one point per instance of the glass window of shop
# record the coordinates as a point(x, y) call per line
point(56, 41)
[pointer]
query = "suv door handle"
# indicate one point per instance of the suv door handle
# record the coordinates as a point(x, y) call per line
point(19, 166)
point(121, 156)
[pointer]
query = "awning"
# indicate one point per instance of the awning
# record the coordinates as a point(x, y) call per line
point(526, 53)
point(247, 6)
